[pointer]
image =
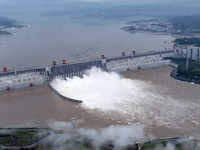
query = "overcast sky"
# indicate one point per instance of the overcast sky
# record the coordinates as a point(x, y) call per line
point(194, 2)
point(139, 1)
point(8, 7)
point(133, 1)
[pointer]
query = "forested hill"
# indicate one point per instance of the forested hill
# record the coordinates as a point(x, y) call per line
point(188, 41)
point(6, 22)
point(186, 23)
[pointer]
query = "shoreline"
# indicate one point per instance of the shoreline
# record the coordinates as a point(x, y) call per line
point(172, 74)
point(47, 132)
point(175, 36)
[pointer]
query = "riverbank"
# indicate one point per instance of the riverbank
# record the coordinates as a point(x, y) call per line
point(173, 75)
point(40, 138)
point(191, 75)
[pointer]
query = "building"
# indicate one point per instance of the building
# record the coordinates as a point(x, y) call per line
point(187, 51)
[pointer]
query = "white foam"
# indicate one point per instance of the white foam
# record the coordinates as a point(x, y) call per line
point(114, 97)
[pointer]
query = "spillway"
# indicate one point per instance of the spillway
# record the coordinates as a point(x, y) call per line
point(12, 80)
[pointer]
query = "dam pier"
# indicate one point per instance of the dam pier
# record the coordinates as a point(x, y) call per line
point(12, 80)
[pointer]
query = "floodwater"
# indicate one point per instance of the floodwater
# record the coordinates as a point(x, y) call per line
point(34, 107)
point(40, 106)
point(185, 98)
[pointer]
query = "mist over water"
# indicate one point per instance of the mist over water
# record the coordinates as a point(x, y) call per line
point(119, 135)
point(111, 96)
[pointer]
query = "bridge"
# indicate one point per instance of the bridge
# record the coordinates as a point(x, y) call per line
point(11, 80)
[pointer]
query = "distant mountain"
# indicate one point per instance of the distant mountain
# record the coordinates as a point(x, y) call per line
point(187, 23)
point(6, 23)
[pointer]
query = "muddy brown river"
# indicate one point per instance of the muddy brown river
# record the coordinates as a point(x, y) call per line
point(39, 106)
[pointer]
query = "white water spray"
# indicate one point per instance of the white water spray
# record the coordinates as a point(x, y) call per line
point(120, 136)
point(111, 96)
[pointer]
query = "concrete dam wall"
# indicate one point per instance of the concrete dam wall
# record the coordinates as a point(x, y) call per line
point(11, 80)
point(22, 79)
point(141, 61)
point(74, 69)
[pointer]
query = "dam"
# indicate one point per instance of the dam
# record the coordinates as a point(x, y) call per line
point(12, 80)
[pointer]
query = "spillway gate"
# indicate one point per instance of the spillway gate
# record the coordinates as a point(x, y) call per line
point(11, 80)
point(75, 69)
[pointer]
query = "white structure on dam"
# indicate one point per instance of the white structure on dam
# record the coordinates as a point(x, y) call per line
point(186, 51)
point(24, 80)
point(140, 62)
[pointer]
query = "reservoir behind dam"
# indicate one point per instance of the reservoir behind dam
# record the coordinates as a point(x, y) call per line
point(58, 38)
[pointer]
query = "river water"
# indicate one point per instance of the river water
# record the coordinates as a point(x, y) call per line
point(35, 107)
point(57, 38)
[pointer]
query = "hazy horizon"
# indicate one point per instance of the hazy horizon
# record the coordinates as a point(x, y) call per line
point(85, 7)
